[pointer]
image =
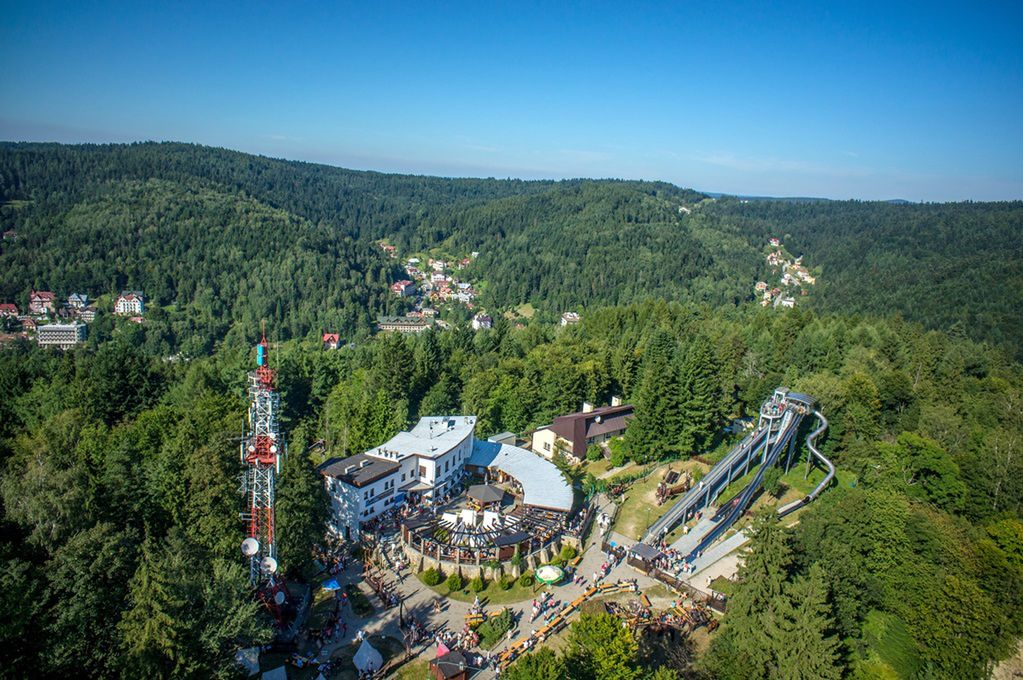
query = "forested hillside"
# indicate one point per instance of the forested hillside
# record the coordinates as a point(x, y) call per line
point(557, 245)
point(120, 528)
point(952, 266)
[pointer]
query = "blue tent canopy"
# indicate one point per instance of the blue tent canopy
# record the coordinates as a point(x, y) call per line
point(331, 584)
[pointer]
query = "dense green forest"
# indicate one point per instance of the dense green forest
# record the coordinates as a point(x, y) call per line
point(110, 216)
point(952, 266)
point(119, 480)
point(914, 571)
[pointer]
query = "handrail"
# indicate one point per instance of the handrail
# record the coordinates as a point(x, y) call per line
point(669, 518)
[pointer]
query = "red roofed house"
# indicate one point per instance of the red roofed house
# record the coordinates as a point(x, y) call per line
point(403, 288)
point(575, 432)
point(331, 340)
point(8, 310)
point(41, 302)
point(129, 303)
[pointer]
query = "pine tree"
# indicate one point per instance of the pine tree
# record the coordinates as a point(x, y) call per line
point(747, 647)
point(151, 628)
point(700, 395)
point(301, 507)
point(653, 432)
point(809, 647)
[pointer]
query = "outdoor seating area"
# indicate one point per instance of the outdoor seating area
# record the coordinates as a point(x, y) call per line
point(469, 536)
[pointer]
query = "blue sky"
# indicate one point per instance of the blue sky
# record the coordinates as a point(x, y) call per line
point(843, 100)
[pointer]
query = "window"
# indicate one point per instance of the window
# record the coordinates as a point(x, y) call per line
point(422, 470)
point(403, 476)
point(546, 446)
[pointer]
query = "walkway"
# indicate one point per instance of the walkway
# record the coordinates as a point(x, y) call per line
point(418, 601)
point(688, 541)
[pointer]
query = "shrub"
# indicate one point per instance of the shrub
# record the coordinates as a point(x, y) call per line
point(454, 582)
point(772, 481)
point(476, 585)
point(568, 553)
point(526, 580)
point(618, 453)
point(432, 577)
point(594, 452)
point(493, 629)
point(506, 583)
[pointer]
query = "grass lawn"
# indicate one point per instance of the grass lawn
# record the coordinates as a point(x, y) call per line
point(323, 604)
point(597, 467)
point(639, 509)
point(360, 603)
point(492, 594)
point(526, 310)
point(414, 670)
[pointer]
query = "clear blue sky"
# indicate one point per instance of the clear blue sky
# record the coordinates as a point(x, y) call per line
point(859, 100)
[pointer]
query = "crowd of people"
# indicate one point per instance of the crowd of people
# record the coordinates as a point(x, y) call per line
point(545, 603)
point(672, 561)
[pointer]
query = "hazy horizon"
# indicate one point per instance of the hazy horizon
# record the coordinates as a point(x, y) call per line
point(801, 101)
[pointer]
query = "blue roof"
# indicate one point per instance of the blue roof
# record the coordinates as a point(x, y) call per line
point(543, 485)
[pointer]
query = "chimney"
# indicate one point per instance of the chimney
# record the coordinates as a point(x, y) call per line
point(587, 407)
point(616, 401)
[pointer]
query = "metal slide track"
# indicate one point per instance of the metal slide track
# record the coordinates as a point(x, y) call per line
point(811, 444)
point(738, 506)
point(694, 498)
point(743, 455)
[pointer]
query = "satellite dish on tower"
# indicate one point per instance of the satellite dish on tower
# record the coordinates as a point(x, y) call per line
point(269, 565)
point(279, 597)
point(250, 547)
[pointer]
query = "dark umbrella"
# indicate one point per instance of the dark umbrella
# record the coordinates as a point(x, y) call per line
point(486, 493)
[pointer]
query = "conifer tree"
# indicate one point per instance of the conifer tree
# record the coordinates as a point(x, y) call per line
point(747, 648)
point(809, 647)
point(653, 432)
point(700, 394)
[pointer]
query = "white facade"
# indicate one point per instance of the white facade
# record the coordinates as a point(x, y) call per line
point(62, 335)
point(129, 304)
point(428, 460)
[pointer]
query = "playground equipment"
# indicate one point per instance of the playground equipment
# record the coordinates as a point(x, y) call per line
point(780, 419)
point(673, 484)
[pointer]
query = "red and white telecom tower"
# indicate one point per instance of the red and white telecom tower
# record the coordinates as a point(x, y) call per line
point(262, 448)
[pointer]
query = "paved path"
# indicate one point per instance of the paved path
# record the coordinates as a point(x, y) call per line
point(418, 601)
point(614, 471)
point(688, 541)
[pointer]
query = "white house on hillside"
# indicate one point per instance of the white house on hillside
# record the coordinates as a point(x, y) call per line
point(129, 303)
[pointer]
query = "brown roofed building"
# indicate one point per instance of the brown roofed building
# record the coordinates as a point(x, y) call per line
point(573, 433)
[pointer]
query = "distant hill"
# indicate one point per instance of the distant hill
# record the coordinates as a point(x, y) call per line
point(216, 232)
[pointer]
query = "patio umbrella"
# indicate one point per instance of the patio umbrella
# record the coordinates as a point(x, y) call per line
point(486, 493)
point(550, 574)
